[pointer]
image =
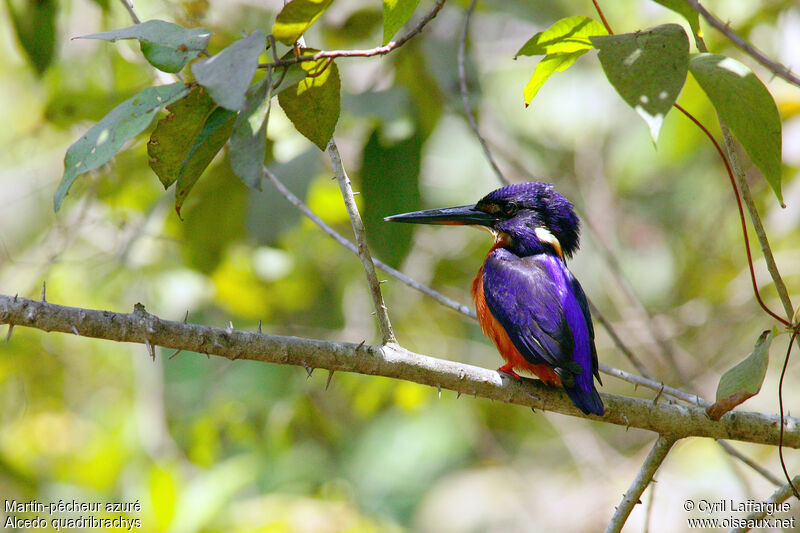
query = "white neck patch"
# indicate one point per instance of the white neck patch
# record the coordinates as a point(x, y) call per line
point(544, 235)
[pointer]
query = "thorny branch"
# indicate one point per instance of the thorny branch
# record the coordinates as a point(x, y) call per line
point(779, 496)
point(390, 361)
point(654, 459)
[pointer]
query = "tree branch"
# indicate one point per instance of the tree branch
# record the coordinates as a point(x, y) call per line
point(773, 66)
point(361, 240)
point(654, 459)
point(779, 496)
point(390, 361)
point(369, 52)
point(462, 84)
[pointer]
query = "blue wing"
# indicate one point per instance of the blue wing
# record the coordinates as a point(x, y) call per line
point(543, 309)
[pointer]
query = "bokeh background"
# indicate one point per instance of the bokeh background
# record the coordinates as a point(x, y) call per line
point(213, 445)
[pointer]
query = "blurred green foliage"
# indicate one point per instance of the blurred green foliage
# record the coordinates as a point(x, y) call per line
point(213, 445)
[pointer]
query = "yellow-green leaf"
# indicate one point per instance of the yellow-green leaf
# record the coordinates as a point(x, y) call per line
point(547, 66)
point(313, 104)
point(295, 18)
point(395, 14)
point(565, 36)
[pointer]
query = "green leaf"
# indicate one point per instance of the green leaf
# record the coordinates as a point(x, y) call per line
point(105, 138)
point(35, 26)
point(211, 139)
point(647, 68)
point(227, 75)
point(313, 104)
point(744, 380)
point(165, 45)
point(547, 66)
point(566, 36)
point(391, 167)
point(747, 107)
point(175, 134)
point(249, 137)
point(283, 79)
point(683, 8)
point(395, 14)
point(295, 18)
point(414, 73)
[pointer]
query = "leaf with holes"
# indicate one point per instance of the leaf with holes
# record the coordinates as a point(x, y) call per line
point(105, 138)
point(744, 380)
point(175, 134)
point(313, 104)
point(249, 136)
point(211, 139)
point(747, 107)
point(228, 74)
point(647, 68)
point(295, 18)
point(165, 45)
point(566, 36)
point(395, 14)
point(683, 8)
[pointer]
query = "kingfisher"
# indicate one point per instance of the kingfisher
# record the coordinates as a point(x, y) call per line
point(527, 301)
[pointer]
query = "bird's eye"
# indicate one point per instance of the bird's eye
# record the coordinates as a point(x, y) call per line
point(510, 209)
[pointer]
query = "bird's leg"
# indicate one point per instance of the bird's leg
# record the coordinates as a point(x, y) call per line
point(507, 369)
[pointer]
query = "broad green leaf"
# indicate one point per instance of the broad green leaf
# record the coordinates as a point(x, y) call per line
point(211, 139)
point(395, 14)
point(747, 107)
point(295, 18)
point(744, 380)
point(165, 45)
point(414, 73)
point(390, 166)
point(285, 78)
point(683, 8)
point(105, 138)
point(313, 104)
point(35, 26)
point(566, 36)
point(249, 136)
point(647, 68)
point(175, 134)
point(227, 75)
point(547, 66)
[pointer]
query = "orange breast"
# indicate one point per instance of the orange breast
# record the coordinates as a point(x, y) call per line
point(495, 331)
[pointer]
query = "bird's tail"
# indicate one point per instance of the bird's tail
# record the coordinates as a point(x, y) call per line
point(586, 399)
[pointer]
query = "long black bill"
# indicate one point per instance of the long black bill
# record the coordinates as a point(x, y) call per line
point(465, 215)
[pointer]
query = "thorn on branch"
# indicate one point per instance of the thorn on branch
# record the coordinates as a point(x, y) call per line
point(309, 370)
point(328, 381)
point(439, 388)
point(150, 349)
point(186, 316)
point(10, 331)
point(229, 326)
point(458, 395)
point(655, 400)
point(75, 331)
point(43, 292)
point(259, 326)
point(179, 350)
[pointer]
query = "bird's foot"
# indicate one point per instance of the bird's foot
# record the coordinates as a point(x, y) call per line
point(507, 369)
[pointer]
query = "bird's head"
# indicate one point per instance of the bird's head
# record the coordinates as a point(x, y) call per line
point(527, 218)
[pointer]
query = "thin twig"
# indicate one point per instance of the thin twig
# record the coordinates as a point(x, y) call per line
point(129, 6)
point(462, 83)
point(773, 66)
point(396, 362)
point(733, 452)
point(377, 51)
point(653, 384)
point(635, 361)
point(361, 241)
point(778, 497)
point(303, 208)
point(654, 459)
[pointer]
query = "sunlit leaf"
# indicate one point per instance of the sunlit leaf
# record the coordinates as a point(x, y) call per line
point(227, 75)
point(566, 36)
point(216, 131)
point(313, 104)
point(165, 45)
point(295, 18)
point(390, 166)
point(744, 380)
point(395, 14)
point(175, 134)
point(683, 8)
point(249, 136)
point(747, 108)
point(105, 138)
point(35, 26)
point(545, 68)
point(647, 68)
